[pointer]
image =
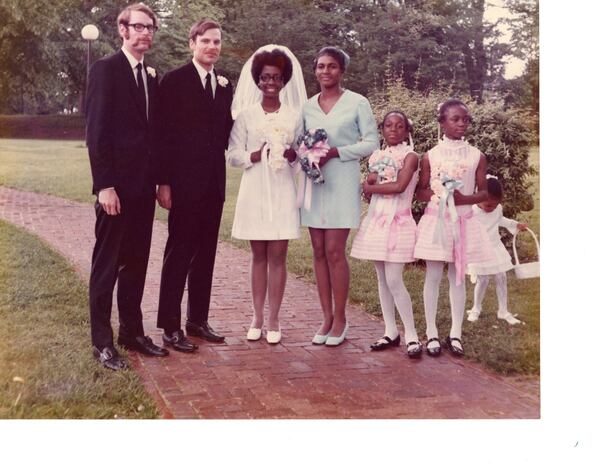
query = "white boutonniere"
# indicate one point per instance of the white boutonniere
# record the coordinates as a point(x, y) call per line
point(151, 71)
point(222, 81)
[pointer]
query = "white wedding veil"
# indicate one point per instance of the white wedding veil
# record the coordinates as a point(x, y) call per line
point(247, 93)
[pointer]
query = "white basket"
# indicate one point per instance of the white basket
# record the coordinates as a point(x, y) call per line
point(526, 270)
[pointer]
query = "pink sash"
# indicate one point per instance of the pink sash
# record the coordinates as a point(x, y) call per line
point(459, 241)
point(380, 220)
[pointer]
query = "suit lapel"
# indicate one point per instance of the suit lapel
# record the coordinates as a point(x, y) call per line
point(132, 86)
point(219, 90)
point(151, 95)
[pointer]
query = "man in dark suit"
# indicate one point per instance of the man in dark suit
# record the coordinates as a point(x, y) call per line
point(195, 110)
point(121, 110)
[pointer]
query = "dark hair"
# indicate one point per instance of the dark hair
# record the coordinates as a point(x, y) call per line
point(201, 26)
point(494, 188)
point(277, 58)
point(407, 122)
point(444, 107)
point(125, 14)
point(337, 54)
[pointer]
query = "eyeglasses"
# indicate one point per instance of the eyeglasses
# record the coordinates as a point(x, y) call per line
point(139, 27)
point(267, 77)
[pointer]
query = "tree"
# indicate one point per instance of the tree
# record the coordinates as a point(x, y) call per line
point(525, 29)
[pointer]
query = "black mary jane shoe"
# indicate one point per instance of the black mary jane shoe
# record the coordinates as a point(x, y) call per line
point(455, 350)
point(414, 353)
point(433, 352)
point(385, 342)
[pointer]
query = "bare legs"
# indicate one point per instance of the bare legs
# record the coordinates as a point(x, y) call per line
point(333, 277)
point(268, 277)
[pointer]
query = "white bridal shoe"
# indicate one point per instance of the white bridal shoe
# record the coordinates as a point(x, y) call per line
point(319, 339)
point(335, 341)
point(254, 333)
point(273, 336)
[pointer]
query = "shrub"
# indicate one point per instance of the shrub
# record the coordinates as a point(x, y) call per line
point(504, 135)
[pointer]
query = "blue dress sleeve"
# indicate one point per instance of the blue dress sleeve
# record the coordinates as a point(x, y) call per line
point(367, 129)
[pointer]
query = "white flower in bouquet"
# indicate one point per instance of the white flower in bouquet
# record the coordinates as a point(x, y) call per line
point(278, 139)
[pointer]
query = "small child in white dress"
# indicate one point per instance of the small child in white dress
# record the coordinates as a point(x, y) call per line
point(489, 214)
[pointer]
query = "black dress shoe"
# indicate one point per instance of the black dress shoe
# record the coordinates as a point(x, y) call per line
point(110, 358)
point(203, 331)
point(436, 351)
point(455, 350)
point(142, 345)
point(385, 342)
point(178, 342)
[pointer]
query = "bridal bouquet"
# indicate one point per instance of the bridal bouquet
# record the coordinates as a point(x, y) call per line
point(277, 138)
point(312, 147)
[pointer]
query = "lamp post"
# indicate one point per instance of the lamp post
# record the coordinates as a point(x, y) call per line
point(89, 33)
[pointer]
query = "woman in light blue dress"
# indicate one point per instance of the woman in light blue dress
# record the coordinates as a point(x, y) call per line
point(335, 205)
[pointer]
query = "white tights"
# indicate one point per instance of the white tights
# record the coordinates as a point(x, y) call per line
point(433, 278)
point(501, 292)
point(392, 290)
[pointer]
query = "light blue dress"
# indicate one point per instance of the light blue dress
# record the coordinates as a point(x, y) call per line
point(351, 127)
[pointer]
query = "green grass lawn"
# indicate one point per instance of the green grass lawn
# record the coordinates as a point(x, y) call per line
point(32, 165)
point(46, 364)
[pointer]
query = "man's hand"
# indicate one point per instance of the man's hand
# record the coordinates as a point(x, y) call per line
point(163, 196)
point(110, 202)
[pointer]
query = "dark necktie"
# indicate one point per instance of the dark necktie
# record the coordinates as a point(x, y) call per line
point(140, 88)
point(208, 87)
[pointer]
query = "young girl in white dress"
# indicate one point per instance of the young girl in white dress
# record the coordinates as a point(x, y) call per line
point(266, 213)
point(452, 178)
point(489, 214)
point(387, 234)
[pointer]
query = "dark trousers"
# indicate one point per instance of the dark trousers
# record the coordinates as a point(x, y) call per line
point(120, 254)
point(189, 254)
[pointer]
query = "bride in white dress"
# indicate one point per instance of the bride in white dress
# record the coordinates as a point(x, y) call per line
point(266, 109)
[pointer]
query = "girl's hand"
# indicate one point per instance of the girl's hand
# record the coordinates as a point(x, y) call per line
point(332, 153)
point(290, 155)
point(366, 188)
point(458, 197)
point(522, 226)
point(256, 156)
point(372, 178)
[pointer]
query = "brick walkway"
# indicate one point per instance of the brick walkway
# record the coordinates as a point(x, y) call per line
point(294, 379)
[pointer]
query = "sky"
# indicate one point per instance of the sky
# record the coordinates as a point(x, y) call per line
point(494, 10)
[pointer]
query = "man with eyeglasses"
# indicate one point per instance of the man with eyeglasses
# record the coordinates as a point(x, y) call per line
point(195, 111)
point(120, 116)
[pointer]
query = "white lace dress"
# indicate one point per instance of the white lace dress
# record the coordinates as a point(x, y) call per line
point(266, 203)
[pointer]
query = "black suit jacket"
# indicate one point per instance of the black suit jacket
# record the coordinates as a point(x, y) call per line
point(194, 134)
point(119, 137)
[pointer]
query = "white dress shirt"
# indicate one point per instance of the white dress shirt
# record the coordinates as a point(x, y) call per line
point(133, 62)
point(203, 72)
